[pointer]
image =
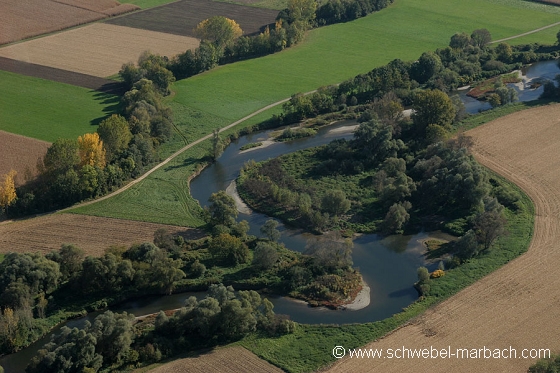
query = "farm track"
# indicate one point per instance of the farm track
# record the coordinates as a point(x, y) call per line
point(526, 33)
point(62, 76)
point(517, 305)
point(181, 17)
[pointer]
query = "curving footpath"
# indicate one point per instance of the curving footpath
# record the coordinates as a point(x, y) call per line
point(517, 305)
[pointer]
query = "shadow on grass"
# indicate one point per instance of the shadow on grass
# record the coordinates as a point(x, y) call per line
point(113, 105)
point(186, 162)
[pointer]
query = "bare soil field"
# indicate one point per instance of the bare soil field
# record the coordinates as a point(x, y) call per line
point(92, 234)
point(98, 49)
point(517, 305)
point(223, 360)
point(62, 76)
point(21, 19)
point(181, 17)
point(20, 153)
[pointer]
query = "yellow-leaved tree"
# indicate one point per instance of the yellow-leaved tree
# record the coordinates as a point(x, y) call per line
point(8, 190)
point(91, 150)
point(218, 30)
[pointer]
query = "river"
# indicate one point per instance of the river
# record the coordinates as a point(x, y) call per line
point(388, 264)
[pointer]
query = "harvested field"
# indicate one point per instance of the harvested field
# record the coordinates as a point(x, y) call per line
point(97, 49)
point(92, 234)
point(20, 153)
point(181, 17)
point(516, 305)
point(62, 76)
point(21, 19)
point(223, 360)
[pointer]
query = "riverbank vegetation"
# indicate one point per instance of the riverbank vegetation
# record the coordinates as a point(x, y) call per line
point(39, 291)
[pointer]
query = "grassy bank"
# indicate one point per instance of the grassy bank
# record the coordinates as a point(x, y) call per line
point(48, 110)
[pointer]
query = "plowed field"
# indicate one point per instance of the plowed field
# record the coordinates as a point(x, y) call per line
point(181, 17)
point(20, 19)
point(223, 360)
point(92, 234)
point(517, 305)
point(20, 153)
point(97, 49)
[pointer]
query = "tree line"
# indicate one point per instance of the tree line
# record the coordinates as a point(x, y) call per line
point(94, 164)
point(222, 41)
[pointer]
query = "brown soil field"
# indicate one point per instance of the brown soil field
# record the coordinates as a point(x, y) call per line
point(181, 17)
point(92, 234)
point(517, 305)
point(21, 19)
point(98, 49)
point(223, 360)
point(63, 76)
point(20, 153)
point(96, 6)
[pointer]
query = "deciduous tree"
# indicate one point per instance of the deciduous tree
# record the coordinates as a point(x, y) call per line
point(219, 30)
point(8, 190)
point(115, 134)
point(91, 150)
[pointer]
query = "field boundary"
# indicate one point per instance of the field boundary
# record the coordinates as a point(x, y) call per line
point(62, 76)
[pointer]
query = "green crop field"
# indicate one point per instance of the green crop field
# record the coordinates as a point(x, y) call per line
point(328, 55)
point(48, 110)
point(145, 4)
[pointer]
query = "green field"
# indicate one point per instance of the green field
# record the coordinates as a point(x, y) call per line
point(48, 110)
point(327, 56)
point(145, 4)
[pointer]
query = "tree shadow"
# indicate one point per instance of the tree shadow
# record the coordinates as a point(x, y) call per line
point(112, 105)
point(186, 162)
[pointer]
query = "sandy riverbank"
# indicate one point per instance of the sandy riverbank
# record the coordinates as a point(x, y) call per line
point(362, 300)
point(241, 206)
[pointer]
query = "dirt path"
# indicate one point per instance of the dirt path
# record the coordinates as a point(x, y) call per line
point(517, 305)
point(525, 33)
point(183, 149)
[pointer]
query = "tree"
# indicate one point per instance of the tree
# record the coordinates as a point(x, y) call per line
point(218, 30)
point(481, 37)
point(8, 190)
point(71, 258)
point(489, 225)
point(230, 249)
point(427, 66)
point(269, 230)
point(460, 40)
point(265, 255)
point(467, 246)
point(113, 334)
point(330, 251)
point(397, 217)
point(302, 11)
point(222, 209)
point(61, 156)
point(115, 134)
point(432, 107)
point(91, 151)
point(504, 52)
point(335, 202)
point(217, 144)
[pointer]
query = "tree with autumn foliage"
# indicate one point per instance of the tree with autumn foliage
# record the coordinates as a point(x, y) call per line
point(219, 30)
point(91, 150)
point(8, 190)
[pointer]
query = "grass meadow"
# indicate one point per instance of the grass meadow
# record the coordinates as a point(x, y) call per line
point(48, 110)
point(328, 55)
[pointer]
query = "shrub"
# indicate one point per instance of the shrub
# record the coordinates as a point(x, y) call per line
point(437, 273)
